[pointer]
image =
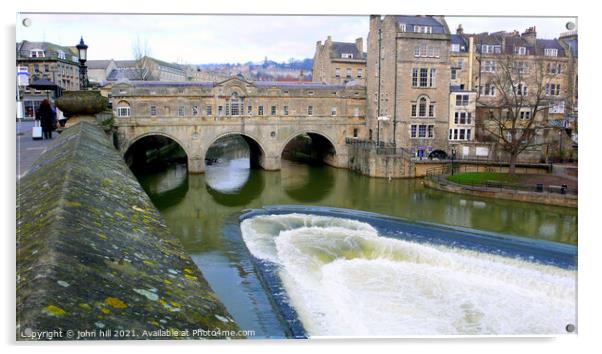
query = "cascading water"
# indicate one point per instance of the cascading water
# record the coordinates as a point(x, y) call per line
point(344, 279)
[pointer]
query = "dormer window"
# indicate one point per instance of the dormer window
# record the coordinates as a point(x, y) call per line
point(491, 49)
point(550, 52)
point(402, 27)
point(520, 50)
point(347, 55)
point(36, 53)
point(423, 29)
point(455, 48)
point(61, 54)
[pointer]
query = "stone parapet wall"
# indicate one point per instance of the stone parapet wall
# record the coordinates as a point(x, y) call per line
point(564, 200)
point(94, 254)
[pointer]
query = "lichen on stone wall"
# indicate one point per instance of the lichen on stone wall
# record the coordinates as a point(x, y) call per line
point(94, 253)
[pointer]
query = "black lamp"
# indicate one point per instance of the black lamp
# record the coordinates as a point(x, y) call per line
point(82, 54)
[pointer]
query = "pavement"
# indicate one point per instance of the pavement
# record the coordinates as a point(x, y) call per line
point(28, 150)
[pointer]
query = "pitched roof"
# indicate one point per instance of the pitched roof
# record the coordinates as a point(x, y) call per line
point(25, 47)
point(338, 48)
point(411, 21)
point(458, 39)
point(573, 45)
point(98, 64)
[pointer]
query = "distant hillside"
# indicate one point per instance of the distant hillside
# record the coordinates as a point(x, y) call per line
point(268, 70)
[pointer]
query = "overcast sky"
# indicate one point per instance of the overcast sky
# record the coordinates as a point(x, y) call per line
point(196, 39)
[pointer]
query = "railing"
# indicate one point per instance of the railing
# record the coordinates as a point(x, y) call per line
point(381, 148)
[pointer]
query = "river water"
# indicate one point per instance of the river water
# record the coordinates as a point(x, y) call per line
point(203, 210)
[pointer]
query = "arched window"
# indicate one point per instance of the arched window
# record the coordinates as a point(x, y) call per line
point(123, 109)
point(422, 107)
point(234, 106)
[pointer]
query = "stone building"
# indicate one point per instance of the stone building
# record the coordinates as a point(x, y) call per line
point(408, 82)
point(339, 62)
point(44, 60)
point(542, 73)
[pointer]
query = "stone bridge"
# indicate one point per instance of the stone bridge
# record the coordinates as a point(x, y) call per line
point(267, 136)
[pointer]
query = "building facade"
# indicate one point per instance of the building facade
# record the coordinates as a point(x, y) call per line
point(46, 61)
point(408, 82)
point(339, 62)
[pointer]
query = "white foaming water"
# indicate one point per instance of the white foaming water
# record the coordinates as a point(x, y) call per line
point(343, 279)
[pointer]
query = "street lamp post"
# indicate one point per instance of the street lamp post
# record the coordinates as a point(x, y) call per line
point(452, 158)
point(82, 54)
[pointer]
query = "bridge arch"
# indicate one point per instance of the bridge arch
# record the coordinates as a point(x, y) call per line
point(321, 148)
point(135, 152)
point(256, 150)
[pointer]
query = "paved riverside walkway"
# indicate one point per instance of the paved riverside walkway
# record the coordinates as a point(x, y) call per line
point(28, 150)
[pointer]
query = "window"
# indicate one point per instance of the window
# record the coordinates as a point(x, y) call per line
point(249, 110)
point(60, 54)
point(413, 131)
point(455, 134)
point(461, 100)
point(260, 110)
point(423, 50)
point(553, 68)
point(234, 106)
point(310, 110)
point(123, 111)
point(360, 73)
point(356, 112)
point(430, 131)
point(460, 64)
point(521, 67)
point(454, 76)
point(348, 73)
point(402, 27)
point(423, 77)
point(488, 90)
point(208, 110)
point(36, 53)
point(333, 111)
point(488, 66)
point(557, 107)
point(273, 110)
point(423, 29)
point(46, 68)
point(195, 110)
point(550, 52)
point(455, 48)
point(347, 55)
point(285, 109)
point(462, 136)
point(431, 110)
point(521, 90)
point(450, 134)
point(422, 131)
point(525, 115)
point(153, 110)
point(491, 49)
point(181, 111)
point(520, 50)
point(552, 89)
point(220, 110)
point(414, 77)
point(337, 72)
point(468, 132)
point(422, 107)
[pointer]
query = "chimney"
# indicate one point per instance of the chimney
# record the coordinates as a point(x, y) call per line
point(301, 76)
point(460, 30)
point(359, 43)
point(318, 44)
point(329, 39)
point(530, 35)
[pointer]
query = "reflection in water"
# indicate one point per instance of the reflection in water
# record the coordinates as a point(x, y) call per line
point(228, 176)
point(198, 212)
point(306, 183)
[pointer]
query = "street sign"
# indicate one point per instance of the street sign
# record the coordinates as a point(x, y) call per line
point(22, 76)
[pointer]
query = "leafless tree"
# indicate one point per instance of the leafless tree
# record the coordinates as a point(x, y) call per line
point(517, 110)
point(140, 52)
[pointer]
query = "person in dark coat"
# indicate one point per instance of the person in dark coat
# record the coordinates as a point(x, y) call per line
point(47, 119)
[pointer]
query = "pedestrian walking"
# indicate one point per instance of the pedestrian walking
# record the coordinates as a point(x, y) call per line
point(47, 119)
